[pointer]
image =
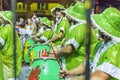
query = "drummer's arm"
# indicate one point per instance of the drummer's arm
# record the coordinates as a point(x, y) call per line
point(68, 49)
point(78, 70)
point(99, 75)
point(59, 35)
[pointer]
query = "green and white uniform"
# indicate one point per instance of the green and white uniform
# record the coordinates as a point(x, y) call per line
point(63, 26)
point(7, 54)
point(77, 35)
point(106, 56)
point(106, 59)
point(47, 34)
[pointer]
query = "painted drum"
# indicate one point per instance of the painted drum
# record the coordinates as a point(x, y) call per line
point(27, 49)
point(48, 67)
point(38, 51)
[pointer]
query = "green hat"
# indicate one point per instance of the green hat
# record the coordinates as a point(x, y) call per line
point(108, 22)
point(7, 15)
point(58, 7)
point(46, 21)
point(77, 12)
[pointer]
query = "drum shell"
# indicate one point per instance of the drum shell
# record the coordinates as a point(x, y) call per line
point(49, 68)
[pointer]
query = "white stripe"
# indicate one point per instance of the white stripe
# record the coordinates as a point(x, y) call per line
point(2, 41)
point(13, 78)
point(110, 69)
point(100, 51)
point(73, 42)
point(43, 38)
point(62, 29)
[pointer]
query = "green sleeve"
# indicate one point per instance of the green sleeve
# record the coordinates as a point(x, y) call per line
point(109, 61)
point(77, 34)
point(63, 26)
point(76, 38)
point(47, 34)
point(111, 55)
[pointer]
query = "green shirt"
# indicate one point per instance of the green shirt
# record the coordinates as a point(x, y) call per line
point(109, 61)
point(77, 37)
point(47, 34)
point(62, 26)
point(6, 34)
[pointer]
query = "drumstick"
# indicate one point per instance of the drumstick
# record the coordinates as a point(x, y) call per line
point(56, 56)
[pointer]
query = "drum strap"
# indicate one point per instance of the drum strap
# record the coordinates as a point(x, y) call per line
point(58, 60)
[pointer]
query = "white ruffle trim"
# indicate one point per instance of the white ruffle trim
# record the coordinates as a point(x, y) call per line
point(2, 41)
point(62, 29)
point(104, 32)
point(76, 19)
point(73, 42)
point(43, 38)
point(110, 69)
point(13, 79)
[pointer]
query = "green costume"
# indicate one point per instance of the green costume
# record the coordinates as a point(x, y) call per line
point(62, 25)
point(106, 58)
point(6, 52)
point(47, 34)
point(77, 36)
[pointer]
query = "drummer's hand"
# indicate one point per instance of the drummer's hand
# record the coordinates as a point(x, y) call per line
point(64, 73)
point(34, 74)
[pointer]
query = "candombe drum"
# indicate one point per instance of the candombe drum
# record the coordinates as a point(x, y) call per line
point(48, 66)
point(27, 48)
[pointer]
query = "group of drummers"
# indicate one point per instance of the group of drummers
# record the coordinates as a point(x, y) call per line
point(57, 50)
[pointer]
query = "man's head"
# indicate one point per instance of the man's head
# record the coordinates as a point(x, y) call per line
point(58, 11)
point(45, 22)
point(108, 22)
point(7, 16)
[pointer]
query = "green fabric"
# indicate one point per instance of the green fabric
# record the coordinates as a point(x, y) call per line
point(92, 55)
point(7, 15)
point(6, 32)
point(46, 21)
point(111, 55)
point(78, 56)
point(47, 34)
point(63, 24)
point(77, 11)
point(108, 21)
point(1, 69)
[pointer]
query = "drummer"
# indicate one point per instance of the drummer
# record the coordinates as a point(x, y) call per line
point(46, 33)
point(61, 26)
point(7, 48)
point(74, 49)
point(106, 62)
